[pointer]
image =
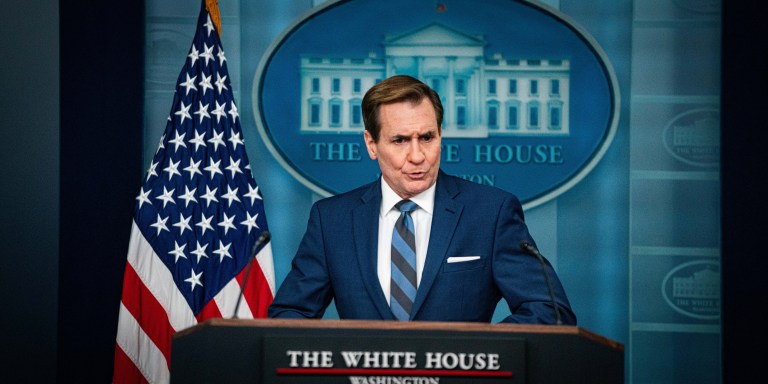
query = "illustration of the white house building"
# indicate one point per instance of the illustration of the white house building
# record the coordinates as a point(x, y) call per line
point(482, 96)
point(703, 284)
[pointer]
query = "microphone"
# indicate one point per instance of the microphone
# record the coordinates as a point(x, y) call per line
point(531, 250)
point(262, 240)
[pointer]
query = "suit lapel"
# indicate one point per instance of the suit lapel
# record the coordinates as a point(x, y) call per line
point(444, 220)
point(365, 224)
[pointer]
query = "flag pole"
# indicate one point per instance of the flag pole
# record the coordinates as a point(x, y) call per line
point(213, 9)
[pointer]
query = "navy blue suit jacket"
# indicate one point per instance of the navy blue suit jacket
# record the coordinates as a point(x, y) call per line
point(337, 258)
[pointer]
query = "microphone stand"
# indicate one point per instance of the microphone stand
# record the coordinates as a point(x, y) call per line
point(263, 239)
point(531, 250)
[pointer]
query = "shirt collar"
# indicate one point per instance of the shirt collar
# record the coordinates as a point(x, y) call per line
point(425, 200)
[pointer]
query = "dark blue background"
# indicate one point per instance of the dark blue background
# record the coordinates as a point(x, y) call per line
point(72, 83)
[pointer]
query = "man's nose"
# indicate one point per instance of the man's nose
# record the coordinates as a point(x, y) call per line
point(416, 152)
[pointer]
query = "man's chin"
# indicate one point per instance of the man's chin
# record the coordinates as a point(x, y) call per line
point(416, 187)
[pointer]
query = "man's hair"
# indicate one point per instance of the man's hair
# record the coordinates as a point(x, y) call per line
point(397, 89)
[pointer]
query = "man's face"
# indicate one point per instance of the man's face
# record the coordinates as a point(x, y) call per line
point(408, 150)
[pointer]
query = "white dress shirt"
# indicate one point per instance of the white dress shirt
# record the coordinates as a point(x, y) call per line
point(422, 222)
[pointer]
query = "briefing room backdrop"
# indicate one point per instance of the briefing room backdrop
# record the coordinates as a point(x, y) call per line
point(635, 240)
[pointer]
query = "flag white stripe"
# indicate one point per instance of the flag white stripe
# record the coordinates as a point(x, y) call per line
point(140, 349)
point(159, 281)
point(267, 264)
point(226, 300)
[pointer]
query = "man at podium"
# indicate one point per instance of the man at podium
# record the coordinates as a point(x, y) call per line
point(418, 244)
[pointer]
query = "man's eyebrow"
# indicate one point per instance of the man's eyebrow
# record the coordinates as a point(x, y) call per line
point(425, 135)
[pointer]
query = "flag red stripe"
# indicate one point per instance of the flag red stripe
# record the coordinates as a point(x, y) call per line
point(125, 370)
point(391, 372)
point(210, 310)
point(257, 292)
point(147, 311)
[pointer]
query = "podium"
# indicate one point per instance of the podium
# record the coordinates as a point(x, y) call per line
point(354, 351)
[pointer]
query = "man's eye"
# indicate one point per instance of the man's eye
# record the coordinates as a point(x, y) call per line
point(398, 141)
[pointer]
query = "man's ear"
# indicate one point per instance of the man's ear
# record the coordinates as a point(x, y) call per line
point(370, 145)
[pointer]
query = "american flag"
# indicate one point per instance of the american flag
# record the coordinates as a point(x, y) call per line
point(197, 216)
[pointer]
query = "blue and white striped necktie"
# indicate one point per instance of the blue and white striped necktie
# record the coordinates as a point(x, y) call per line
point(403, 286)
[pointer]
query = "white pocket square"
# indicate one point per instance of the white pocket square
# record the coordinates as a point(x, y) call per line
point(461, 259)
